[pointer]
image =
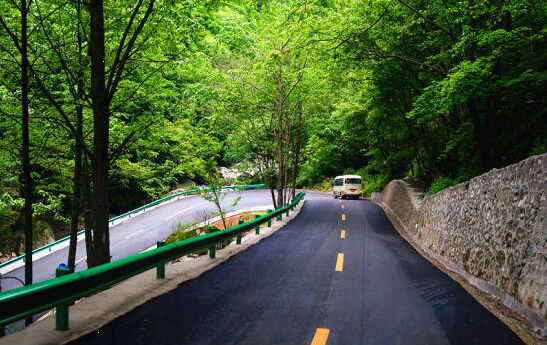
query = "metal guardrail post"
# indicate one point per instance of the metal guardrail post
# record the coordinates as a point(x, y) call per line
point(280, 217)
point(160, 269)
point(257, 229)
point(213, 247)
point(238, 237)
point(61, 312)
point(269, 220)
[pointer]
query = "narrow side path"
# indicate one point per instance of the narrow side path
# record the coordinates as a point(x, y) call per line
point(295, 288)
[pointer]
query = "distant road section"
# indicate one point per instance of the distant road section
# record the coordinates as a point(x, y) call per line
point(141, 232)
point(339, 273)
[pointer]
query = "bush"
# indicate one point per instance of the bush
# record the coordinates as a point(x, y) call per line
point(9, 213)
point(326, 185)
point(182, 233)
point(440, 183)
point(180, 236)
point(372, 180)
point(373, 184)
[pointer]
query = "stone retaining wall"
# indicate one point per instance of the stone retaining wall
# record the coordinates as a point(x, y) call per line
point(491, 230)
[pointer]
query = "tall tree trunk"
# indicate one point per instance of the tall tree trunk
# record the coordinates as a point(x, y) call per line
point(27, 179)
point(297, 149)
point(279, 137)
point(76, 194)
point(100, 252)
point(272, 192)
point(85, 205)
point(285, 180)
point(287, 142)
point(77, 182)
point(271, 181)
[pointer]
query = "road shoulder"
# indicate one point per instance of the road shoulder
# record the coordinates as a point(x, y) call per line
point(516, 322)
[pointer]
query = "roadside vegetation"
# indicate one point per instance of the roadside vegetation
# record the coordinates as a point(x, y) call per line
point(97, 118)
point(188, 230)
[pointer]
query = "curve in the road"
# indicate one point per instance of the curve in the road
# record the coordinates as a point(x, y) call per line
point(139, 233)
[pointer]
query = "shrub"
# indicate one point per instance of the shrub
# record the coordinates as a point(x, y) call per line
point(180, 236)
point(441, 183)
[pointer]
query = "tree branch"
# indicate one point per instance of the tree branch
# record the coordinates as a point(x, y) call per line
point(112, 86)
point(438, 26)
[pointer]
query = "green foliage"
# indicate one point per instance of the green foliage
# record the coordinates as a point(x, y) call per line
point(9, 212)
point(50, 204)
point(384, 93)
point(180, 235)
point(441, 183)
point(455, 95)
point(215, 195)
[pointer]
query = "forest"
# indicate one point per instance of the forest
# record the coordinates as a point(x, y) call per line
point(108, 105)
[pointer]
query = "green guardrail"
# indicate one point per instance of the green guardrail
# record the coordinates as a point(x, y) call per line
point(132, 212)
point(16, 304)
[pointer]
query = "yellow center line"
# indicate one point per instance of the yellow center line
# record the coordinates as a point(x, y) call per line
point(339, 263)
point(184, 210)
point(343, 233)
point(133, 234)
point(343, 206)
point(82, 259)
point(320, 337)
point(343, 216)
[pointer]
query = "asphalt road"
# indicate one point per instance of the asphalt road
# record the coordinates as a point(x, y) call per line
point(141, 232)
point(294, 288)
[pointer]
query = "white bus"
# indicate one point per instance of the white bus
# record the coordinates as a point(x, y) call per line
point(347, 186)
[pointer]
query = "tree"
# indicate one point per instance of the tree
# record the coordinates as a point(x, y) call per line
point(266, 78)
point(21, 45)
point(214, 194)
point(26, 176)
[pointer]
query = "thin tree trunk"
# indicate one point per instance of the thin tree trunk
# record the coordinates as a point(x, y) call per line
point(287, 191)
point(279, 136)
point(272, 191)
point(297, 149)
point(100, 253)
point(271, 179)
point(76, 195)
point(25, 152)
point(86, 207)
point(219, 206)
point(77, 183)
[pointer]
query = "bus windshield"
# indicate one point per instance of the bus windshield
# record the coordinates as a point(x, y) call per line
point(352, 181)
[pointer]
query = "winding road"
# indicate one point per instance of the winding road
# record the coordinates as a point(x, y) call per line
point(339, 273)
